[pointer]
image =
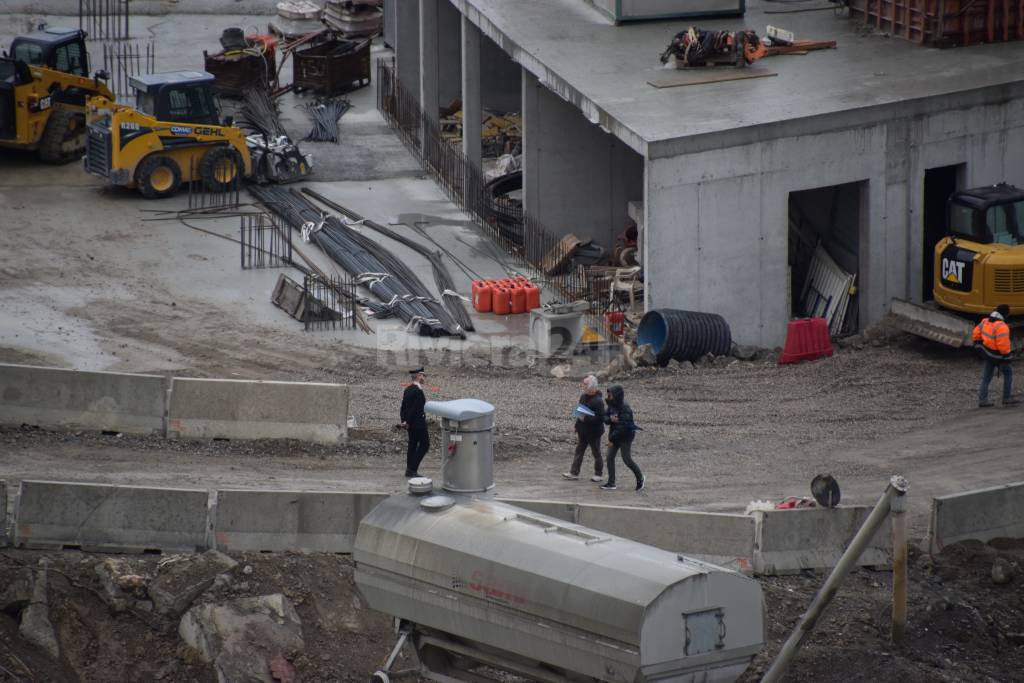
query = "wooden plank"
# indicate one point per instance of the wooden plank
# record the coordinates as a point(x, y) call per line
point(801, 47)
point(702, 75)
point(561, 253)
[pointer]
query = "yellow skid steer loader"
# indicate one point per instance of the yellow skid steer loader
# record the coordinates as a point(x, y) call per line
point(174, 135)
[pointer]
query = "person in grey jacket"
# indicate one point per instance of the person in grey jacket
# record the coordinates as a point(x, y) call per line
point(621, 432)
point(589, 430)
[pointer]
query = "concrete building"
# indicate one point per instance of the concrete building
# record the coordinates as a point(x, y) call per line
point(734, 182)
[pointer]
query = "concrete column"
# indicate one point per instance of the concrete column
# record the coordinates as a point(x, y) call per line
point(472, 110)
point(407, 44)
point(429, 62)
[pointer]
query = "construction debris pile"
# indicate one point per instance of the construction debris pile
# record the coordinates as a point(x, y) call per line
point(374, 267)
point(500, 133)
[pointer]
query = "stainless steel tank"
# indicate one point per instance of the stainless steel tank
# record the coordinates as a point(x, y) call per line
point(485, 582)
point(467, 444)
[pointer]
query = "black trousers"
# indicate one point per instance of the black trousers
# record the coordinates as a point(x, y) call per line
point(625, 449)
point(419, 444)
point(592, 442)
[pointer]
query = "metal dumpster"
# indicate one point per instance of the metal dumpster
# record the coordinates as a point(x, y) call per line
point(332, 67)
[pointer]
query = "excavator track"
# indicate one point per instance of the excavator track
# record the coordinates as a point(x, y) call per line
point(64, 139)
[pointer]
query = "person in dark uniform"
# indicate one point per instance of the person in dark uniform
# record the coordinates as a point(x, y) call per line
point(414, 421)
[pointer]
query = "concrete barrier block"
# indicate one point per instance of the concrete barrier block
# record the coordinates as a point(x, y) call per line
point(301, 521)
point(788, 541)
point(723, 539)
point(567, 512)
point(56, 398)
point(240, 409)
point(96, 517)
point(980, 515)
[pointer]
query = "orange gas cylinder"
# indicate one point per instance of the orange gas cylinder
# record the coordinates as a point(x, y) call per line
point(532, 296)
point(501, 304)
point(482, 296)
point(518, 299)
point(616, 322)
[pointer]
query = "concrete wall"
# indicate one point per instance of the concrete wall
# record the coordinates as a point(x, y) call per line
point(407, 44)
point(981, 515)
point(788, 541)
point(240, 409)
point(500, 78)
point(70, 399)
point(449, 52)
point(276, 521)
point(577, 178)
point(717, 218)
point(95, 517)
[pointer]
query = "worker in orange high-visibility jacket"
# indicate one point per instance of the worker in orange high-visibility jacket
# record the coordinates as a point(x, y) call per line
point(992, 340)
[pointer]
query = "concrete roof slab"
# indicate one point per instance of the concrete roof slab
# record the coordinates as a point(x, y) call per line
point(604, 69)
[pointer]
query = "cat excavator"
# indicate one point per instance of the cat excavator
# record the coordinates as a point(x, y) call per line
point(979, 264)
point(44, 85)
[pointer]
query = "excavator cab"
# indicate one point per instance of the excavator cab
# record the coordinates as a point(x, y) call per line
point(988, 215)
point(980, 262)
point(177, 97)
point(60, 49)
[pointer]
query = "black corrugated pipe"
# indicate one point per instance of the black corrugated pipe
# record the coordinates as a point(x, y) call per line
point(683, 335)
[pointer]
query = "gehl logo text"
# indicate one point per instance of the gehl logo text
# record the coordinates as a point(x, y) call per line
point(953, 271)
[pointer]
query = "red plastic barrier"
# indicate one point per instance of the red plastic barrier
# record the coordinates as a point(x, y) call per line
point(518, 295)
point(501, 304)
point(532, 296)
point(482, 296)
point(806, 339)
point(616, 322)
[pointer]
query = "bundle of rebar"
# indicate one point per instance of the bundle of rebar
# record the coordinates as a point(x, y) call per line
point(259, 114)
point(442, 277)
point(372, 265)
point(326, 114)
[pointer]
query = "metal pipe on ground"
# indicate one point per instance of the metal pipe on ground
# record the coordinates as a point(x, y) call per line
point(442, 277)
point(897, 488)
point(375, 267)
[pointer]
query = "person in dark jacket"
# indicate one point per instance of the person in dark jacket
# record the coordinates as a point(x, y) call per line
point(589, 429)
point(621, 431)
point(414, 421)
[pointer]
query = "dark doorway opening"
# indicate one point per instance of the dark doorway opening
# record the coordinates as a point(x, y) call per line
point(939, 184)
point(826, 229)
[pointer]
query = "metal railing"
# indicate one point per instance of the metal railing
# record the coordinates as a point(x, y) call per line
point(265, 242)
point(105, 19)
point(329, 302)
point(125, 60)
point(204, 194)
point(503, 219)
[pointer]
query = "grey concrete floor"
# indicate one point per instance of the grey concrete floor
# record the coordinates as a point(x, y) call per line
point(61, 214)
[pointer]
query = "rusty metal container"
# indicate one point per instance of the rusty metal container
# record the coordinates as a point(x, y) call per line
point(944, 23)
point(332, 67)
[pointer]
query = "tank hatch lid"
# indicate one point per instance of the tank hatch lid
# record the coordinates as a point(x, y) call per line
point(437, 503)
point(459, 410)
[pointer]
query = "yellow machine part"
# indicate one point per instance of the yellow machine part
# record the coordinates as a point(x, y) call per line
point(136, 136)
point(34, 104)
point(971, 277)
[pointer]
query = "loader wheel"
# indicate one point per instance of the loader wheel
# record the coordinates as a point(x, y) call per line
point(64, 137)
point(158, 176)
point(220, 169)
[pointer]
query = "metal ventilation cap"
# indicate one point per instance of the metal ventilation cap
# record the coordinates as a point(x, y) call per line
point(419, 486)
point(459, 410)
